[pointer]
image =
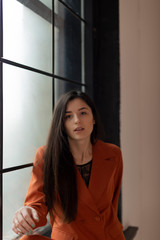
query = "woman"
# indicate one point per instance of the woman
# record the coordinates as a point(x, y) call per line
point(76, 178)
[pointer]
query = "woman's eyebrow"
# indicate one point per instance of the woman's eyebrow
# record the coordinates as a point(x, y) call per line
point(82, 108)
point(68, 111)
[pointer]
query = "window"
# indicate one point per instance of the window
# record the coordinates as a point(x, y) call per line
point(42, 55)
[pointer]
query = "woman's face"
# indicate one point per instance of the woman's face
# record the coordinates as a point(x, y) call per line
point(79, 120)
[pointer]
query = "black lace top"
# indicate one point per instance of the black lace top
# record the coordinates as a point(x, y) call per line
point(85, 171)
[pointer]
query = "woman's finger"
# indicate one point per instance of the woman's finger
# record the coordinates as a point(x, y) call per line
point(23, 222)
point(18, 228)
point(30, 215)
point(35, 215)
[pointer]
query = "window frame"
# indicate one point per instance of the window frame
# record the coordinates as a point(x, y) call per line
point(86, 84)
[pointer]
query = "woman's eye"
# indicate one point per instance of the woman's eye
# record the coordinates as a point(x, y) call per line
point(68, 116)
point(83, 113)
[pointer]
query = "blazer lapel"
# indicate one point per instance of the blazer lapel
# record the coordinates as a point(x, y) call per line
point(84, 194)
point(103, 166)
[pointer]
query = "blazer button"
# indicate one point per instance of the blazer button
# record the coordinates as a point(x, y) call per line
point(97, 218)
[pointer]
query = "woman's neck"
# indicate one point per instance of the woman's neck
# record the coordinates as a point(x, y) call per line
point(81, 151)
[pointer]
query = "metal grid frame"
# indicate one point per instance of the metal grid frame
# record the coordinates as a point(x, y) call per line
point(88, 72)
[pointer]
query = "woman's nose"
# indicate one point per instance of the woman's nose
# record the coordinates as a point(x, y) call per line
point(76, 119)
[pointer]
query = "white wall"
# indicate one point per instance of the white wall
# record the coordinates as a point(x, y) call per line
point(140, 115)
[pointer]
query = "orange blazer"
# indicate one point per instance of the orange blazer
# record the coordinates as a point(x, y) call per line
point(97, 204)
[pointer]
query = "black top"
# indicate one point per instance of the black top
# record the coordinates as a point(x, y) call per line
point(85, 171)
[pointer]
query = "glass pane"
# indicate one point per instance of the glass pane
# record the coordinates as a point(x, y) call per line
point(67, 44)
point(48, 3)
point(15, 185)
point(74, 4)
point(62, 87)
point(27, 36)
point(27, 114)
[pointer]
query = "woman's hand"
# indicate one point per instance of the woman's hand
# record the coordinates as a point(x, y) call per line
point(24, 220)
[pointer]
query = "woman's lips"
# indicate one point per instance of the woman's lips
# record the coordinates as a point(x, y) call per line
point(78, 129)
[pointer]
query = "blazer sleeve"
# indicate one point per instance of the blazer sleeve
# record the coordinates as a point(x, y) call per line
point(117, 179)
point(35, 197)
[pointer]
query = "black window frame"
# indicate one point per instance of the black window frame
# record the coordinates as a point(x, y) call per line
point(88, 72)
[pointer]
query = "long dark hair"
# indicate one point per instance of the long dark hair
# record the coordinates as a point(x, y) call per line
point(60, 183)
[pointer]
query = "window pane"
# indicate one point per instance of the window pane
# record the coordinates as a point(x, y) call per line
point(62, 87)
point(15, 185)
point(27, 36)
point(74, 4)
point(48, 3)
point(27, 114)
point(67, 44)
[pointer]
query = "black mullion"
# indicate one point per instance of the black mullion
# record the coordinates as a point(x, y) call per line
point(25, 67)
point(5, 170)
point(3, 60)
point(88, 41)
point(1, 119)
point(73, 12)
point(53, 39)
